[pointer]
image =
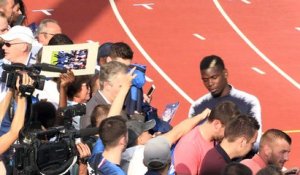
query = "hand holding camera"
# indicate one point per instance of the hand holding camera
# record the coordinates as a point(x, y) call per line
point(25, 86)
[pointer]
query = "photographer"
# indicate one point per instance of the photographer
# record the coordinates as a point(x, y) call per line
point(18, 120)
point(74, 90)
point(7, 139)
point(17, 45)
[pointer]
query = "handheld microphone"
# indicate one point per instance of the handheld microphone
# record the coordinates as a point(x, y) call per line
point(51, 68)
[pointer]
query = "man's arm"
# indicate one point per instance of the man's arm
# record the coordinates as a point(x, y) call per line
point(5, 103)
point(84, 152)
point(7, 139)
point(117, 104)
point(65, 80)
point(184, 127)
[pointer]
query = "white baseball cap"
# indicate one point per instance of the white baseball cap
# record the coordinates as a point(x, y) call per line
point(19, 32)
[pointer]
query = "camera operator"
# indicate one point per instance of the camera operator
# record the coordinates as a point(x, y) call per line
point(18, 120)
point(17, 45)
point(73, 91)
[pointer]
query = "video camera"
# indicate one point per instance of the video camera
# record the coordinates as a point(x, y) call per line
point(36, 156)
point(52, 151)
point(69, 112)
point(11, 73)
point(72, 111)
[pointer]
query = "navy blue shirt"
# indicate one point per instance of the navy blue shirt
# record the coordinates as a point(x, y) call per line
point(247, 104)
point(98, 165)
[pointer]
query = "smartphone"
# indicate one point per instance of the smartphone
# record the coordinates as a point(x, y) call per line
point(19, 20)
point(151, 90)
point(170, 111)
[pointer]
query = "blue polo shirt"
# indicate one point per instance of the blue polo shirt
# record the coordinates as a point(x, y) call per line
point(97, 164)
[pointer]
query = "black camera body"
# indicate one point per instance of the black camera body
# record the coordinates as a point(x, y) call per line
point(72, 111)
point(10, 75)
point(45, 157)
point(36, 153)
point(67, 113)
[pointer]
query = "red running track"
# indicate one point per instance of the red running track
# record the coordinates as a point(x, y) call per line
point(166, 31)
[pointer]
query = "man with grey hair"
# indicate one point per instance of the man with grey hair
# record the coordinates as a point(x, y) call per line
point(17, 46)
point(111, 77)
point(46, 30)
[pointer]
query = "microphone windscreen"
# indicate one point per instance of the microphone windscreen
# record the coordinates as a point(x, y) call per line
point(87, 132)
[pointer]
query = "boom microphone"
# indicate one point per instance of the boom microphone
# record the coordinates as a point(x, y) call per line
point(49, 131)
point(51, 68)
point(65, 133)
point(86, 132)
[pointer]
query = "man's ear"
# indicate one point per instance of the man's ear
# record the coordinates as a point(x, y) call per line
point(105, 83)
point(242, 141)
point(123, 141)
point(225, 73)
point(108, 59)
point(267, 150)
point(25, 48)
point(217, 124)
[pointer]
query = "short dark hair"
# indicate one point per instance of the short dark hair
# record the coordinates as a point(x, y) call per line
point(104, 50)
point(60, 39)
point(235, 168)
point(270, 169)
point(75, 86)
point(122, 50)
point(272, 134)
point(224, 111)
point(99, 113)
point(212, 61)
point(111, 130)
point(45, 113)
point(242, 125)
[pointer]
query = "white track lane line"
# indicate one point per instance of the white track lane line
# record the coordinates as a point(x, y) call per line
point(258, 70)
point(145, 5)
point(246, 1)
point(199, 36)
point(146, 55)
point(297, 28)
point(254, 48)
point(45, 11)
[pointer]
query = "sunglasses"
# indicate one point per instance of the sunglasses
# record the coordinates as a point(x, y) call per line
point(7, 44)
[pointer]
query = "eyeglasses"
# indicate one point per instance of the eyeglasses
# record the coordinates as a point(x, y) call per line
point(7, 44)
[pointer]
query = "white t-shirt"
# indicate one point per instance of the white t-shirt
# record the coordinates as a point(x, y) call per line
point(136, 165)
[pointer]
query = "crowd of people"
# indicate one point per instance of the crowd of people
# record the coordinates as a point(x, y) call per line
point(221, 134)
